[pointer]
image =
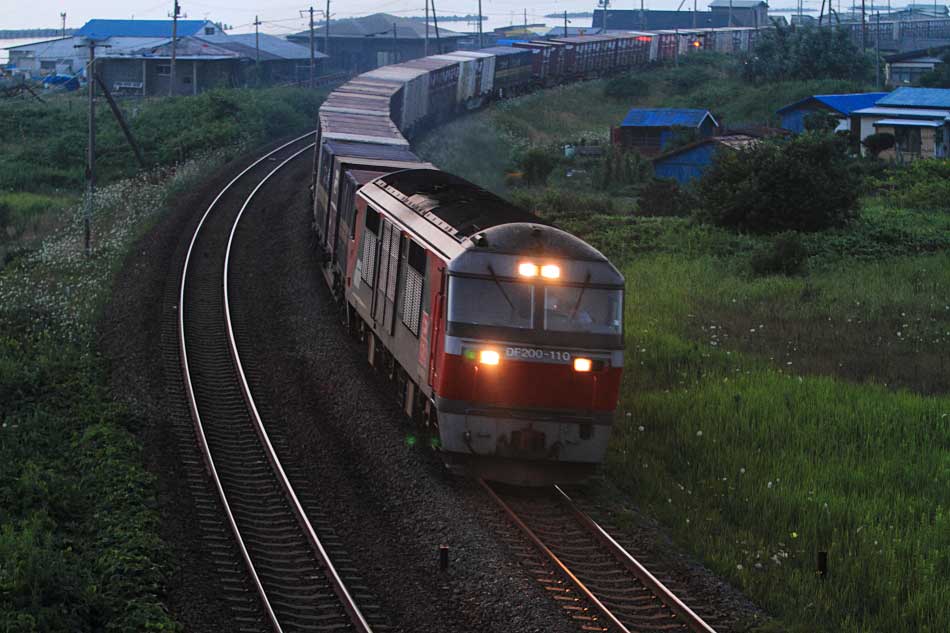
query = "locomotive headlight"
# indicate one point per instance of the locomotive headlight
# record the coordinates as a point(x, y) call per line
point(582, 364)
point(488, 357)
point(550, 271)
point(527, 269)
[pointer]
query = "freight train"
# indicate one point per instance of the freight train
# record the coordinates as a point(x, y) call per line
point(502, 333)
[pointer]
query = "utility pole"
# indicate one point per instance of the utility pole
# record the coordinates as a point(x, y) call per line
point(326, 30)
point(395, 47)
point(694, 14)
point(171, 79)
point(730, 13)
point(312, 55)
point(89, 205)
point(877, 50)
point(643, 17)
point(604, 4)
point(526, 20)
point(435, 23)
point(257, 41)
point(864, 28)
point(565, 23)
point(481, 44)
point(63, 17)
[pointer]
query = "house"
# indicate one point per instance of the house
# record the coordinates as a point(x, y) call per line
point(649, 130)
point(688, 162)
point(906, 69)
point(793, 115)
point(361, 44)
point(919, 119)
point(203, 63)
point(754, 13)
point(67, 55)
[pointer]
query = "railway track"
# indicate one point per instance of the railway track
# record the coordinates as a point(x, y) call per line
point(597, 581)
point(287, 558)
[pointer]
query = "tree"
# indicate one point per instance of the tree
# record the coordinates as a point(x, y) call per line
point(939, 77)
point(536, 164)
point(806, 53)
point(821, 121)
point(877, 143)
point(800, 184)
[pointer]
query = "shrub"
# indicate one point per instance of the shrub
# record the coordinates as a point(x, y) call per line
point(878, 142)
point(554, 204)
point(536, 165)
point(821, 121)
point(626, 86)
point(662, 198)
point(784, 255)
point(619, 169)
point(799, 184)
point(923, 184)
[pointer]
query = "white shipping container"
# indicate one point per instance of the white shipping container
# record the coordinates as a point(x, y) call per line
point(415, 93)
point(484, 80)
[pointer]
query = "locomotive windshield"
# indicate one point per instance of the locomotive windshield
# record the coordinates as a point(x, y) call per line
point(491, 302)
point(577, 309)
point(573, 309)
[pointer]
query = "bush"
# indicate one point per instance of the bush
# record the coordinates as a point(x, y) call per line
point(661, 198)
point(554, 204)
point(923, 184)
point(536, 165)
point(799, 184)
point(785, 255)
point(821, 121)
point(626, 86)
point(878, 142)
point(620, 169)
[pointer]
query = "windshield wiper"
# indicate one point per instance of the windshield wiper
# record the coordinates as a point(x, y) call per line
point(504, 294)
point(580, 297)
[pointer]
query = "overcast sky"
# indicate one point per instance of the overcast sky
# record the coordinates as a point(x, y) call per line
point(280, 16)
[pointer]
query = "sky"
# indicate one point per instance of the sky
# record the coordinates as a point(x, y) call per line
point(282, 17)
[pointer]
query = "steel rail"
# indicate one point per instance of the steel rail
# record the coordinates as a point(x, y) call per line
point(667, 597)
point(190, 392)
point(611, 618)
point(359, 621)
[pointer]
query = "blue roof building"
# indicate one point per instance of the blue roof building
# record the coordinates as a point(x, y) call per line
point(938, 98)
point(793, 115)
point(104, 29)
point(687, 163)
point(649, 130)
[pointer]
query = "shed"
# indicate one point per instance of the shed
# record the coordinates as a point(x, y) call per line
point(281, 60)
point(842, 105)
point(649, 130)
point(687, 163)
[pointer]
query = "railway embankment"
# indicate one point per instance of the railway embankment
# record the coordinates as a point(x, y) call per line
point(85, 537)
point(771, 417)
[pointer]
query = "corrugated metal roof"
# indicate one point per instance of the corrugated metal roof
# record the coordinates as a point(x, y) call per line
point(380, 25)
point(843, 103)
point(908, 113)
point(272, 47)
point(666, 117)
point(732, 141)
point(918, 97)
point(104, 29)
point(908, 123)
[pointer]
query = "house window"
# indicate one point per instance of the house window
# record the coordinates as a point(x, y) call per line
point(163, 70)
point(907, 140)
point(209, 30)
point(186, 79)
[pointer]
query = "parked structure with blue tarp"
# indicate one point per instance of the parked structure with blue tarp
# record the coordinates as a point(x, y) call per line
point(691, 161)
point(793, 115)
point(649, 130)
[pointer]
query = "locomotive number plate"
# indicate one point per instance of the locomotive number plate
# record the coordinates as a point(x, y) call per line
point(534, 353)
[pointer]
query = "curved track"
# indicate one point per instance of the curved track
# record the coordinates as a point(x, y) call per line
point(287, 563)
point(602, 586)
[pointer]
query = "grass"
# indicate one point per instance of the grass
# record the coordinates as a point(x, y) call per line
point(765, 418)
point(43, 146)
point(79, 544)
